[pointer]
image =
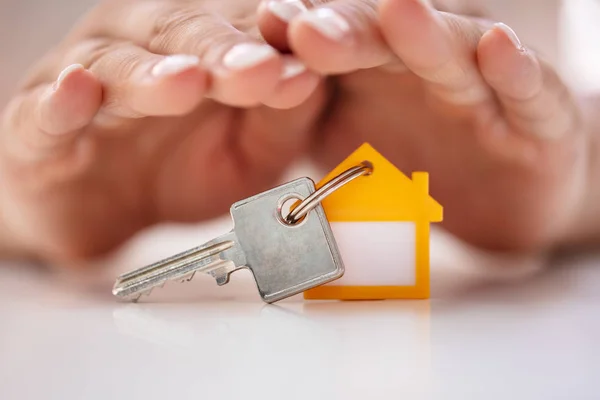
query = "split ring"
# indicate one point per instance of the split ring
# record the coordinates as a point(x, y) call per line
point(308, 204)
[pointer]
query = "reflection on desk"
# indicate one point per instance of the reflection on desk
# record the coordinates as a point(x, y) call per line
point(496, 328)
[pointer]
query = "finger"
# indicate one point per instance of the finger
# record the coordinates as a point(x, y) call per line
point(51, 116)
point(244, 70)
point(438, 47)
point(534, 99)
point(138, 83)
point(273, 18)
point(331, 36)
point(297, 84)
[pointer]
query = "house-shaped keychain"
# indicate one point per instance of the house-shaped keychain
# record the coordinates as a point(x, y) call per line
point(381, 226)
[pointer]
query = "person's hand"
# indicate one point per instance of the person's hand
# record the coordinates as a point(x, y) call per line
point(453, 95)
point(164, 119)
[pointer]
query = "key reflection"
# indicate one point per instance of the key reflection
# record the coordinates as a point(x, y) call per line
point(358, 343)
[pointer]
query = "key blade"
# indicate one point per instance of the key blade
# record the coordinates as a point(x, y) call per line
point(171, 262)
point(203, 259)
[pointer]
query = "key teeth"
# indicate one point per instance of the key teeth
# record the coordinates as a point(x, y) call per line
point(223, 272)
point(222, 279)
point(188, 277)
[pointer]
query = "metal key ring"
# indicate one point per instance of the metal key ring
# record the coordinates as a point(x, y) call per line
point(312, 201)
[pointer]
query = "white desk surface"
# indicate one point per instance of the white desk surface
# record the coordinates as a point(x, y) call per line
point(494, 329)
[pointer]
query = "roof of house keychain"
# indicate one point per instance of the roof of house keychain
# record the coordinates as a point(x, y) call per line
point(381, 226)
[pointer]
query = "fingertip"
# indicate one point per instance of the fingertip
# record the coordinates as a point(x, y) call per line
point(508, 66)
point(249, 74)
point(175, 85)
point(416, 32)
point(272, 20)
point(69, 71)
point(183, 94)
point(78, 82)
point(297, 85)
point(509, 34)
point(71, 102)
point(324, 40)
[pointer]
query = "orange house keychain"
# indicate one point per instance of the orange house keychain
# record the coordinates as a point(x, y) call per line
point(381, 226)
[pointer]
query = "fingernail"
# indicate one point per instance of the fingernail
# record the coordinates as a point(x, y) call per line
point(286, 9)
point(175, 64)
point(66, 72)
point(292, 68)
point(510, 33)
point(247, 55)
point(327, 22)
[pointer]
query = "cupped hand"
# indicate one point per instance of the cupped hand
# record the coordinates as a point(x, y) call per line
point(171, 110)
point(148, 111)
point(457, 96)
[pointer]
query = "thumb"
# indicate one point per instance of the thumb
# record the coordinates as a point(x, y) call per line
point(535, 100)
point(40, 122)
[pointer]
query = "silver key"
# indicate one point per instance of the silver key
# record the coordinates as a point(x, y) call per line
point(285, 259)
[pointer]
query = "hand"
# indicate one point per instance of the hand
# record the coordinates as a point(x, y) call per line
point(457, 96)
point(162, 116)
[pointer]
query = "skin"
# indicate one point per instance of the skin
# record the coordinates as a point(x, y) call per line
point(88, 163)
point(501, 136)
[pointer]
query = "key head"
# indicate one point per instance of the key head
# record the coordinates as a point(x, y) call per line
point(286, 259)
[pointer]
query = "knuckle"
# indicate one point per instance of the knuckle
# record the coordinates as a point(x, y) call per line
point(104, 56)
point(195, 31)
point(89, 52)
point(176, 26)
point(466, 31)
